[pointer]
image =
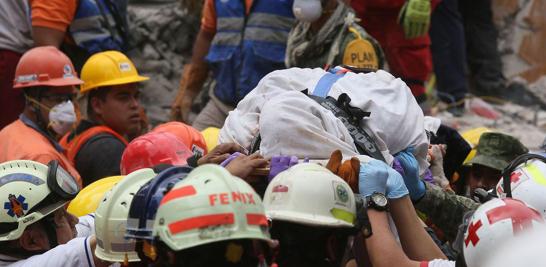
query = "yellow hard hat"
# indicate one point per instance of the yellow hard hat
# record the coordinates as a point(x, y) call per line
point(211, 137)
point(107, 69)
point(90, 196)
point(473, 137)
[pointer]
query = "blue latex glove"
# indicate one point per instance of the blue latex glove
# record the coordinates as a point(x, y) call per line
point(281, 163)
point(373, 177)
point(410, 165)
point(396, 188)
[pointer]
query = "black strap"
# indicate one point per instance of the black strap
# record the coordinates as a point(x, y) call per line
point(507, 172)
point(255, 144)
point(50, 229)
point(351, 118)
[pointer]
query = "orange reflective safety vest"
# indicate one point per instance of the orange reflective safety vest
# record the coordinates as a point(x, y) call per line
point(73, 146)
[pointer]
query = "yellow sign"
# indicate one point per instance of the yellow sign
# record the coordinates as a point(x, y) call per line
point(361, 53)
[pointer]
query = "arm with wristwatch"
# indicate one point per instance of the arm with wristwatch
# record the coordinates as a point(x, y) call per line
point(384, 190)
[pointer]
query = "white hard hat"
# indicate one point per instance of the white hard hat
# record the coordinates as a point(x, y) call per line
point(29, 192)
point(528, 183)
point(111, 218)
point(493, 224)
point(310, 194)
point(209, 205)
point(526, 249)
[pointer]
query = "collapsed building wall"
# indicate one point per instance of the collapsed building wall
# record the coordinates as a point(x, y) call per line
point(162, 37)
point(522, 40)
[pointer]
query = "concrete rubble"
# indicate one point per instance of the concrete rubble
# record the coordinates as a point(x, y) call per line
point(163, 36)
point(528, 124)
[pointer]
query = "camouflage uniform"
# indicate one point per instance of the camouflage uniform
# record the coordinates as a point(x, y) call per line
point(445, 209)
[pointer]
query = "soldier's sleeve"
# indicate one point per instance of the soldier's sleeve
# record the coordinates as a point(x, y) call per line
point(445, 209)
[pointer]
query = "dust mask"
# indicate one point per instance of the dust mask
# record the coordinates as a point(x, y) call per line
point(307, 10)
point(62, 117)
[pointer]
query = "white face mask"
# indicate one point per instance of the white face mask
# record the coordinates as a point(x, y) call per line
point(307, 10)
point(62, 117)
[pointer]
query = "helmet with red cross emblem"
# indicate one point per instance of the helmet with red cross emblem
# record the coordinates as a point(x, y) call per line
point(493, 224)
point(527, 182)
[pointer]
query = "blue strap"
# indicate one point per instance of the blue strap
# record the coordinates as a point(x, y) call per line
point(325, 83)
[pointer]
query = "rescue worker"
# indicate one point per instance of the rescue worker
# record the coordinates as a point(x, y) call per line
point(401, 27)
point(241, 41)
point(143, 209)
point(449, 55)
point(153, 149)
point(384, 191)
point(493, 153)
point(211, 218)
point(434, 202)
point(211, 137)
point(36, 229)
point(88, 199)
point(48, 80)
point(111, 90)
point(111, 219)
point(385, 251)
point(80, 28)
point(189, 136)
point(327, 35)
point(311, 223)
point(15, 39)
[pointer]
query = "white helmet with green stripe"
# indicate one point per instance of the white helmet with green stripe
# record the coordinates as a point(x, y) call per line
point(111, 218)
point(312, 195)
point(210, 205)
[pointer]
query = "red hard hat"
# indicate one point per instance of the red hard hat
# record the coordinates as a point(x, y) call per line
point(45, 66)
point(152, 149)
point(188, 135)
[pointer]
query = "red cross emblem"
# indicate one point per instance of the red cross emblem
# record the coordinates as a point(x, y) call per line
point(472, 236)
point(514, 178)
point(522, 217)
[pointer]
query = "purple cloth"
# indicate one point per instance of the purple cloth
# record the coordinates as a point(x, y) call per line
point(428, 176)
point(279, 164)
point(397, 166)
point(229, 159)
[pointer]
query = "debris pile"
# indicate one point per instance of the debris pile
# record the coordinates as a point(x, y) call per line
point(162, 36)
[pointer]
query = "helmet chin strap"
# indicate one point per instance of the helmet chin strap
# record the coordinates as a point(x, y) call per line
point(35, 105)
point(50, 228)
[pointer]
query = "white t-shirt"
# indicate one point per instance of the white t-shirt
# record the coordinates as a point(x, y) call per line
point(15, 26)
point(86, 225)
point(438, 263)
point(76, 252)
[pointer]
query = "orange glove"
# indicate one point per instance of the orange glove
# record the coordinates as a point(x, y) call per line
point(348, 170)
point(193, 78)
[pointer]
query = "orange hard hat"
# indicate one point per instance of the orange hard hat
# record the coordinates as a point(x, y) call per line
point(152, 149)
point(188, 135)
point(45, 66)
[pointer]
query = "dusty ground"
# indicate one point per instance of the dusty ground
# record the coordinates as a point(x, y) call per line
point(527, 124)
